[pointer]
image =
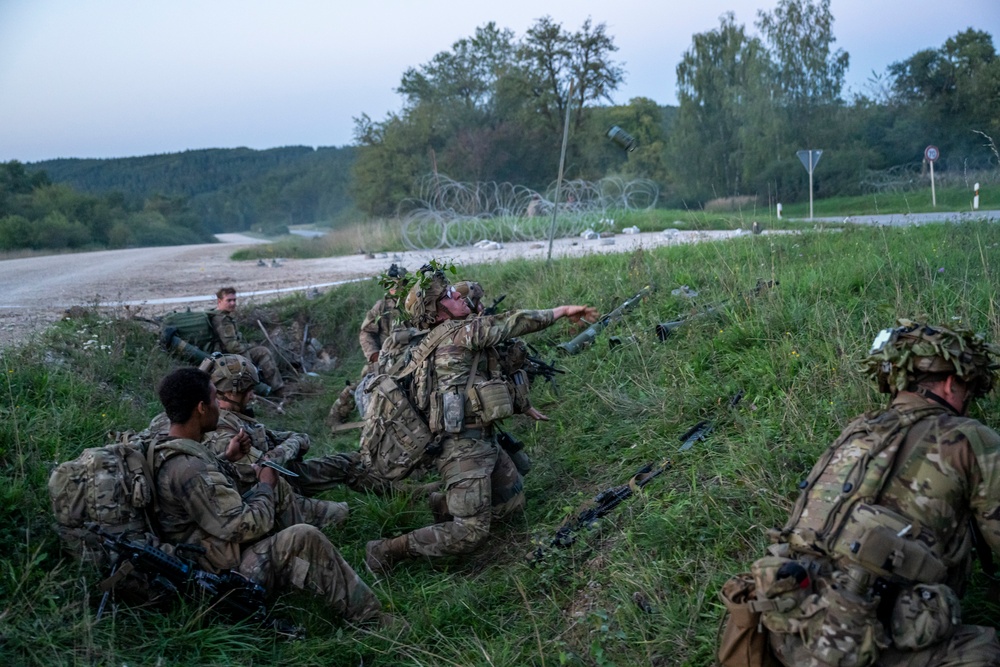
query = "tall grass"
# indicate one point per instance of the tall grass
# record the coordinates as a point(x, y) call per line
point(793, 349)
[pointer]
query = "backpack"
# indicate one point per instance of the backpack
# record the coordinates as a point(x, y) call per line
point(396, 438)
point(819, 580)
point(110, 486)
point(193, 327)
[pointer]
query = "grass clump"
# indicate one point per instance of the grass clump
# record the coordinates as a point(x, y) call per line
point(640, 588)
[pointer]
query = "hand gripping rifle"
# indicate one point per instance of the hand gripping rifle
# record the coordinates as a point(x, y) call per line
point(603, 503)
point(231, 594)
point(587, 337)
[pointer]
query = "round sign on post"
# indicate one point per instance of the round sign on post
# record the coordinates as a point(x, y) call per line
point(931, 153)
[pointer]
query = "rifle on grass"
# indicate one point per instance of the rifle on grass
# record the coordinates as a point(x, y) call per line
point(604, 503)
point(701, 430)
point(587, 337)
point(664, 329)
point(231, 594)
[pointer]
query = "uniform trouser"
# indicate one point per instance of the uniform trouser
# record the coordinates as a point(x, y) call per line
point(264, 361)
point(303, 558)
point(480, 483)
point(969, 646)
point(326, 472)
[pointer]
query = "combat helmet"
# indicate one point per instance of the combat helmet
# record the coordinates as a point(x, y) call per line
point(231, 372)
point(421, 301)
point(904, 355)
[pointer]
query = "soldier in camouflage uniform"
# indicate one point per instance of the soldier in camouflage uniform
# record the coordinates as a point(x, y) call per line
point(899, 557)
point(198, 502)
point(375, 328)
point(480, 481)
point(231, 342)
point(234, 378)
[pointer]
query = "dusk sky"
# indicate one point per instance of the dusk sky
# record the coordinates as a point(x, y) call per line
point(117, 78)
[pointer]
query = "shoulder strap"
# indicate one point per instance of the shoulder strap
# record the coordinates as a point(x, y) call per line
point(473, 372)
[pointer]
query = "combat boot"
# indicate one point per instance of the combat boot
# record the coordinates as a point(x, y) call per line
point(439, 507)
point(382, 555)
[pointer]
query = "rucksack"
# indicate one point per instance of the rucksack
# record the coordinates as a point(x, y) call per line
point(396, 438)
point(110, 486)
point(193, 327)
point(819, 579)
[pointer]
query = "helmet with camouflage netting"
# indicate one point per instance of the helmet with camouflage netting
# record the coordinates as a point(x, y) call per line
point(429, 286)
point(231, 372)
point(914, 351)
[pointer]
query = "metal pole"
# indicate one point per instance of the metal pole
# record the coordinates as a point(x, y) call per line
point(562, 162)
point(810, 184)
point(933, 196)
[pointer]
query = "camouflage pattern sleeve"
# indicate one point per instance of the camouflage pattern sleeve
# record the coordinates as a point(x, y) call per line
point(950, 475)
point(229, 425)
point(229, 335)
point(198, 503)
point(285, 446)
point(985, 481)
point(369, 337)
point(482, 332)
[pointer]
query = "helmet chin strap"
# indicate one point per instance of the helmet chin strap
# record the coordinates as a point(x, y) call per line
point(930, 395)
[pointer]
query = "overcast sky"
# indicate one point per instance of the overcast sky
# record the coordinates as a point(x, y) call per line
point(116, 78)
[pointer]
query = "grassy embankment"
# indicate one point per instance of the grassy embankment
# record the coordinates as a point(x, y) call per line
point(793, 349)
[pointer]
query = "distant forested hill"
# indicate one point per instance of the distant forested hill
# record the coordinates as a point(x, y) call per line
point(226, 189)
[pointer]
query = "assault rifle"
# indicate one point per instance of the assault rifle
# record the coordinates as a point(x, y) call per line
point(587, 337)
point(664, 329)
point(603, 503)
point(535, 366)
point(492, 310)
point(231, 594)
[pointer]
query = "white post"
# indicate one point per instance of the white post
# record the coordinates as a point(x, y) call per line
point(933, 196)
point(975, 198)
point(779, 211)
point(811, 185)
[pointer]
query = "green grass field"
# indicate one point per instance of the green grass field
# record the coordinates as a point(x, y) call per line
point(793, 349)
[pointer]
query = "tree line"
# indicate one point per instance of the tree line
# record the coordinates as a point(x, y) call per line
point(36, 214)
point(492, 107)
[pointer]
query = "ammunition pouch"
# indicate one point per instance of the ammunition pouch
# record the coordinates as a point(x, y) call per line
point(491, 400)
point(521, 390)
point(883, 543)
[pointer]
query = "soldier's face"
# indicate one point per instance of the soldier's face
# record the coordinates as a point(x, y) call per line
point(454, 305)
point(227, 303)
point(210, 414)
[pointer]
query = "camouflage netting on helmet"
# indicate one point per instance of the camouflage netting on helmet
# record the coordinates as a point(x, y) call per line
point(422, 299)
point(913, 350)
point(231, 372)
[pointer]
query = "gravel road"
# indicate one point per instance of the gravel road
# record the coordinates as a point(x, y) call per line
point(36, 291)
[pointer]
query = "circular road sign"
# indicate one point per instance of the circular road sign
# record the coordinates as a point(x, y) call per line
point(932, 153)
